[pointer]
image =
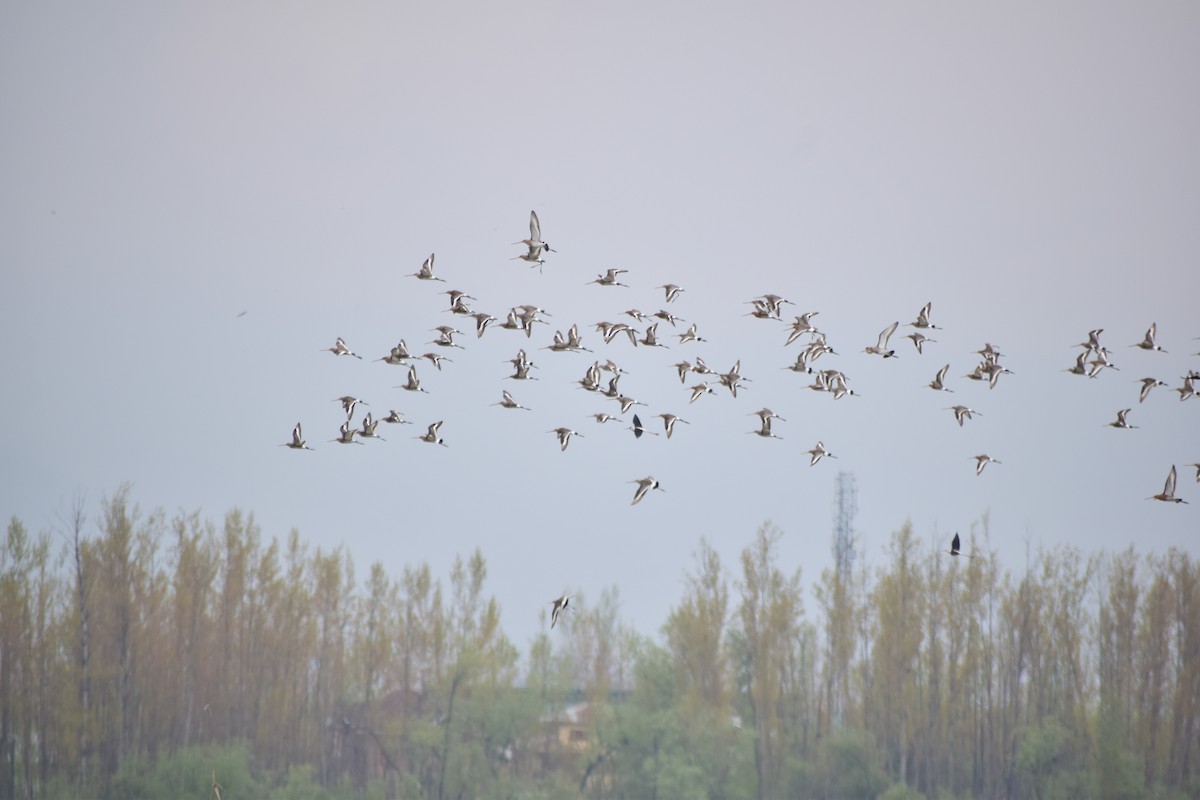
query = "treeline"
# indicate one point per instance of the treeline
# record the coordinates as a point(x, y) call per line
point(142, 655)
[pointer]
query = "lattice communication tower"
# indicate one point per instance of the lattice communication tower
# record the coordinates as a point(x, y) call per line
point(845, 506)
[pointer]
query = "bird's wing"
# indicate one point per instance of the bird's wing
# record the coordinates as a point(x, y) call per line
point(887, 334)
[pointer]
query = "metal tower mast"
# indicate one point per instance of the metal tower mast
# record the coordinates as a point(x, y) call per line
point(845, 506)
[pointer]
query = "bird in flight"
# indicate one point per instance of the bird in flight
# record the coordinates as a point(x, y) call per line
point(564, 436)
point(610, 278)
point(1168, 493)
point(1120, 421)
point(671, 290)
point(638, 429)
point(627, 403)
point(880, 348)
point(560, 605)
point(535, 244)
point(669, 421)
point(817, 453)
point(765, 430)
point(339, 349)
point(506, 401)
point(426, 271)
point(346, 434)
point(938, 384)
point(368, 428)
point(414, 383)
point(923, 320)
point(962, 413)
point(1147, 385)
point(919, 339)
point(1147, 342)
point(644, 486)
point(982, 461)
point(297, 442)
point(431, 436)
point(955, 548)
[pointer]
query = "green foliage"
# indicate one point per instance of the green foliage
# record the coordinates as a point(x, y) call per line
point(1039, 748)
point(901, 791)
point(299, 785)
point(847, 766)
point(129, 665)
point(187, 773)
point(1119, 774)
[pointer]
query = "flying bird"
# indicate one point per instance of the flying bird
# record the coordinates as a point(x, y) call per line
point(535, 244)
point(560, 605)
point(982, 461)
point(766, 414)
point(765, 430)
point(669, 421)
point(1080, 367)
point(446, 337)
point(690, 335)
point(627, 403)
point(297, 442)
point(637, 428)
point(399, 355)
point(1147, 385)
point(802, 325)
point(1147, 343)
point(1092, 345)
point(426, 271)
point(918, 340)
point(437, 360)
point(671, 290)
point(881, 347)
point(1120, 422)
point(482, 320)
point(817, 452)
point(414, 383)
point(368, 428)
point(459, 301)
point(346, 434)
point(610, 278)
point(348, 403)
point(564, 436)
point(962, 413)
point(506, 401)
point(667, 316)
point(955, 546)
point(535, 235)
point(923, 320)
point(432, 435)
point(650, 337)
point(339, 349)
point(1168, 493)
point(939, 382)
point(644, 485)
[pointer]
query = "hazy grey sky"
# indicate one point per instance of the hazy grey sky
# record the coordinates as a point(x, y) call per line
point(1030, 168)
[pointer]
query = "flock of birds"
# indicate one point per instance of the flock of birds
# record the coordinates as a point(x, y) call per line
point(603, 377)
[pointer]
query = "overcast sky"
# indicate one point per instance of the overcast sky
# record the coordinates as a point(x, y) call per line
point(1029, 168)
